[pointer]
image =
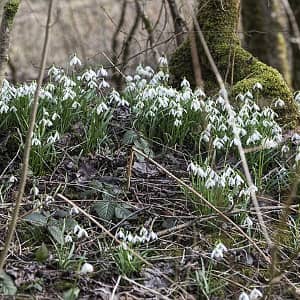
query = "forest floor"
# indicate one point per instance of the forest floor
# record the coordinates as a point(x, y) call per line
point(115, 209)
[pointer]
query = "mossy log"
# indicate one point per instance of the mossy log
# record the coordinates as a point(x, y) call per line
point(218, 21)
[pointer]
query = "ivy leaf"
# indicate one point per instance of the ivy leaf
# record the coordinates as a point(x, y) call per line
point(7, 286)
point(56, 233)
point(105, 209)
point(36, 219)
point(122, 212)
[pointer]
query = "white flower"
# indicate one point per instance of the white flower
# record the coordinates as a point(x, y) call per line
point(268, 143)
point(103, 84)
point(255, 294)
point(257, 86)
point(74, 211)
point(279, 103)
point(75, 61)
point(55, 116)
point(185, 83)
point(244, 296)
point(143, 231)
point(12, 179)
point(75, 105)
point(163, 61)
point(101, 108)
point(36, 142)
point(120, 235)
point(296, 137)
point(102, 72)
point(285, 149)
point(129, 237)
point(80, 232)
point(177, 123)
point(87, 268)
point(218, 252)
point(52, 139)
point(68, 239)
point(34, 191)
point(153, 236)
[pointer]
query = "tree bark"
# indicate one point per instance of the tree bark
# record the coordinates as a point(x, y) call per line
point(266, 35)
point(218, 21)
point(9, 12)
point(295, 5)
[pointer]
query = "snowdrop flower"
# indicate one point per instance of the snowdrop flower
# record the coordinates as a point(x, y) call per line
point(87, 268)
point(195, 105)
point(75, 61)
point(129, 78)
point(297, 97)
point(46, 122)
point(36, 142)
point(255, 294)
point(177, 123)
point(257, 86)
point(55, 116)
point(163, 61)
point(104, 84)
point(244, 296)
point(129, 237)
point(120, 235)
point(75, 105)
point(268, 143)
point(285, 149)
point(297, 158)
point(3, 107)
point(101, 108)
point(279, 103)
point(74, 211)
point(52, 139)
point(249, 95)
point(80, 232)
point(143, 231)
point(185, 83)
point(68, 239)
point(296, 138)
point(153, 236)
point(12, 179)
point(102, 72)
point(34, 191)
point(218, 252)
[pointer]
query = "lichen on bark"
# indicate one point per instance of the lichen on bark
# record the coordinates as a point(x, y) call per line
point(218, 21)
point(9, 13)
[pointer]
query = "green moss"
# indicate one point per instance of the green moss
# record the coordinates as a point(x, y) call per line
point(234, 63)
point(10, 10)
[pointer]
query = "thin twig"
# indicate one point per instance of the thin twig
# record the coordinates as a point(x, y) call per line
point(14, 217)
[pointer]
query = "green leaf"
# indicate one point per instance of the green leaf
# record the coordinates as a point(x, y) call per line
point(129, 137)
point(122, 212)
point(42, 253)
point(56, 233)
point(71, 294)
point(105, 209)
point(7, 286)
point(36, 219)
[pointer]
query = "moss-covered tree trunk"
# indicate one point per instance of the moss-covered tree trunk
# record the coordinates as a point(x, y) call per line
point(295, 4)
point(266, 36)
point(9, 12)
point(218, 21)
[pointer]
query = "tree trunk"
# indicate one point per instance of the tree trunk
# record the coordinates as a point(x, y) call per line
point(296, 51)
point(218, 21)
point(266, 35)
point(9, 12)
